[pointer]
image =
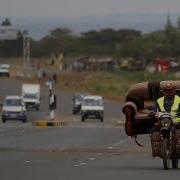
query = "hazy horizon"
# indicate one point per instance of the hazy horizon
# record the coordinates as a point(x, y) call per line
point(81, 8)
point(145, 22)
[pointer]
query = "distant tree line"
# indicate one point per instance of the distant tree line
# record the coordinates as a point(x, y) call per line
point(107, 42)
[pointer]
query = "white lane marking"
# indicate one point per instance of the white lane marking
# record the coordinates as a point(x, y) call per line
point(83, 163)
point(121, 142)
point(110, 147)
point(92, 159)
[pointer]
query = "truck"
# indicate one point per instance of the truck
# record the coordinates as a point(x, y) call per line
point(31, 96)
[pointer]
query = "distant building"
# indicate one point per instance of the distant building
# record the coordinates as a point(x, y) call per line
point(162, 65)
point(94, 64)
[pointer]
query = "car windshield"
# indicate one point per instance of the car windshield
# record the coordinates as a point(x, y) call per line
point(30, 96)
point(13, 102)
point(79, 98)
point(4, 68)
point(92, 102)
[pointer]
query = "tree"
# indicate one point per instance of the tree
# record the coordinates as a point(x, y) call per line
point(59, 40)
point(169, 30)
point(60, 33)
point(168, 25)
point(178, 23)
point(6, 22)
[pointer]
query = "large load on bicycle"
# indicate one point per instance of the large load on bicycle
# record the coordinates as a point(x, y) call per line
point(141, 101)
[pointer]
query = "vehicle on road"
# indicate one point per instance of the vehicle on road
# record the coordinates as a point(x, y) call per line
point(5, 70)
point(13, 108)
point(168, 146)
point(76, 103)
point(142, 118)
point(92, 107)
point(31, 96)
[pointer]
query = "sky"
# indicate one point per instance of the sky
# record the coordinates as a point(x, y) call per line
point(79, 8)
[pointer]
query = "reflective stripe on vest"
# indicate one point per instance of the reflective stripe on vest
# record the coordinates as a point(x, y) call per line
point(174, 108)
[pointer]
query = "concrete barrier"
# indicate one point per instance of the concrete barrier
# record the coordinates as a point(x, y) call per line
point(44, 123)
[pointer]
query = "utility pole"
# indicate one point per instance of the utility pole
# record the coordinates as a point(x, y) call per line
point(26, 49)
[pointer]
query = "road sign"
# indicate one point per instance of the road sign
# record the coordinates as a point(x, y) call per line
point(8, 33)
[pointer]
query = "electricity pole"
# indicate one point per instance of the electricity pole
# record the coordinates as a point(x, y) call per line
point(26, 49)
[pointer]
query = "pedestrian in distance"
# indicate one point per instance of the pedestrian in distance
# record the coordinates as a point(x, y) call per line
point(54, 78)
point(52, 105)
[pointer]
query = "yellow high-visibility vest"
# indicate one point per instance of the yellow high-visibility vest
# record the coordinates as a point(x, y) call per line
point(174, 107)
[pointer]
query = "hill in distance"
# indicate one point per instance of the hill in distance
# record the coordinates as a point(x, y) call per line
point(40, 27)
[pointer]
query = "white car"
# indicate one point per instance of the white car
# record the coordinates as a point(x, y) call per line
point(92, 107)
point(13, 108)
point(5, 70)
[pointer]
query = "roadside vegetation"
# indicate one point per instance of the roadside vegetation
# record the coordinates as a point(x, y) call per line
point(118, 44)
point(112, 85)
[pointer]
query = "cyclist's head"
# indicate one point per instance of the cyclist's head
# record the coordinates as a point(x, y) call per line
point(169, 89)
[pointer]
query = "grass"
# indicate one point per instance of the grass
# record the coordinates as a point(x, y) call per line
point(110, 85)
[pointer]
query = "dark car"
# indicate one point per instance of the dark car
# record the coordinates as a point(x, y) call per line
point(77, 100)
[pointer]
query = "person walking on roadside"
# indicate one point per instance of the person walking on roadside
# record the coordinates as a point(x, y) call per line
point(52, 105)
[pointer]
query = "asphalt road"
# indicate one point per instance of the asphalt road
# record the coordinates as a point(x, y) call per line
point(113, 111)
point(68, 166)
point(90, 150)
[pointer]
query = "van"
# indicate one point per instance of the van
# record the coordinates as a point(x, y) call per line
point(31, 96)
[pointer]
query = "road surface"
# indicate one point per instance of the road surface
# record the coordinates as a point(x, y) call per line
point(89, 150)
